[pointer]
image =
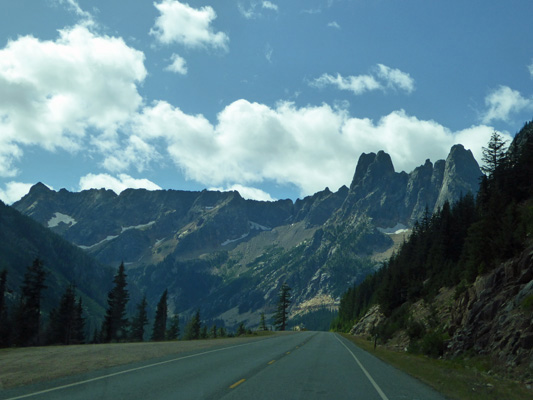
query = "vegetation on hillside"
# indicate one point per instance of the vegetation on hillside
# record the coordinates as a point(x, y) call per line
point(453, 246)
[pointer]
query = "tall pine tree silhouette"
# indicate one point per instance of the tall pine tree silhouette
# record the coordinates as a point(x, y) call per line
point(114, 328)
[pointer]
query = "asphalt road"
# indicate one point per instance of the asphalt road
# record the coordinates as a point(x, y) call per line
point(307, 365)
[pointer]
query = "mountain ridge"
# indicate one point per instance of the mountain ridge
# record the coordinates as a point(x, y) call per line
point(237, 252)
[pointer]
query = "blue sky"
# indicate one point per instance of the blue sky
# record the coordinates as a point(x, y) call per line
point(274, 99)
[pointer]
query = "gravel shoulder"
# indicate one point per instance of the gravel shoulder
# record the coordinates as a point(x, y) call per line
point(23, 366)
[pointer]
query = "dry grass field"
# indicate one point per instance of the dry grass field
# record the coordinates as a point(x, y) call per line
point(22, 366)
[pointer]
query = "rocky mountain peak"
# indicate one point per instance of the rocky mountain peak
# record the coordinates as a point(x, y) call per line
point(372, 167)
point(39, 188)
point(461, 175)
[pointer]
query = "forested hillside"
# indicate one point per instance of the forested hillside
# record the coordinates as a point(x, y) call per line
point(462, 247)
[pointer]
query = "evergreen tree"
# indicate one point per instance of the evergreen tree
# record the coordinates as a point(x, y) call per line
point(192, 330)
point(79, 324)
point(494, 156)
point(64, 320)
point(203, 332)
point(139, 321)
point(115, 323)
point(222, 332)
point(281, 317)
point(241, 330)
point(262, 323)
point(173, 331)
point(160, 323)
point(213, 333)
point(28, 313)
point(5, 325)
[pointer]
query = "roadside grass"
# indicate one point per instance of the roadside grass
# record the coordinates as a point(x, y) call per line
point(27, 365)
point(458, 380)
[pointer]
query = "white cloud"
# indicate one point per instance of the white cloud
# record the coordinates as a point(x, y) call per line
point(270, 6)
point(14, 191)
point(356, 84)
point(178, 65)
point(310, 147)
point(530, 67)
point(503, 102)
point(191, 27)
point(53, 92)
point(334, 24)
point(396, 79)
point(250, 12)
point(74, 6)
point(384, 78)
point(123, 182)
point(246, 192)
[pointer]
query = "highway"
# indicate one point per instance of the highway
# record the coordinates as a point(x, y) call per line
point(306, 365)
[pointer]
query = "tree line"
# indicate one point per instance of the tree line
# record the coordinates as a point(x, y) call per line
point(23, 326)
point(457, 243)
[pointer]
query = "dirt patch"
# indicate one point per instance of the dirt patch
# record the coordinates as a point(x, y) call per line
point(23, 366)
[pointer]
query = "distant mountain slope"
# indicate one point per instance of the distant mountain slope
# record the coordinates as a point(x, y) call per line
point(228, 256)
point(22, 240)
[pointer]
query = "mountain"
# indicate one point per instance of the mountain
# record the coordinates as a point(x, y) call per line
point(22, 240)
point(228, 256)
point(462, 283)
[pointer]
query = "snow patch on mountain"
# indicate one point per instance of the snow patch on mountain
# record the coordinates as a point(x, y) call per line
point(396, 229)
point(59, 218)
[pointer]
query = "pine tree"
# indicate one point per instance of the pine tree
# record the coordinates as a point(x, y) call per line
point(262, 323)
point(63, 319)
point(78, 336)
point(494, 156)
point(28, 313)
point(192, 330)
point(213, 332)
point(241, 330)
point(282, 313)
point(5, 325)
point(173, 331)
point(139, 321)
point(203, 332)
point(160, 323)
point(115, 323)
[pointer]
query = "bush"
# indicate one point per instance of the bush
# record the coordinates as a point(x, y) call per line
point(432, 344)
point(416, 330)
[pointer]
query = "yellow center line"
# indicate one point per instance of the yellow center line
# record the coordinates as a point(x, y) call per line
point(237, 384)
point(271, 362)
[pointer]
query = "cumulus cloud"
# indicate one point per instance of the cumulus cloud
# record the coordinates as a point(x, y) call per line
point(14, 191)
point(246, 192)
point(116, 184)
point(310, 147)
point(334, 24)
point(396, 79)
point(178, 65)
point(503, 102)
point(182, 24)
point(54, 91)
point(383, 78)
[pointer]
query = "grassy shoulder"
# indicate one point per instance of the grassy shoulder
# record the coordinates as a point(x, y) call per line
point(27, 365)
point(458, 380)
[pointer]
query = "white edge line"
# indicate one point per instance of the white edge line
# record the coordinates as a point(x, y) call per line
point(372, 381)
point(124, 372)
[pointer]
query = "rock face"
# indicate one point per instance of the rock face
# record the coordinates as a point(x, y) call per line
point(495, 316)
point(392, 198)
point(229, 256)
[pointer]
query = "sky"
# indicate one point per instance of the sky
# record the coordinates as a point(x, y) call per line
point(275, 99)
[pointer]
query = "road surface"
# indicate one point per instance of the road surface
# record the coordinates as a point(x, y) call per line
point(306, 365)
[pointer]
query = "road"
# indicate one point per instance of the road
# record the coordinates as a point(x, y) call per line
point(306, 365)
